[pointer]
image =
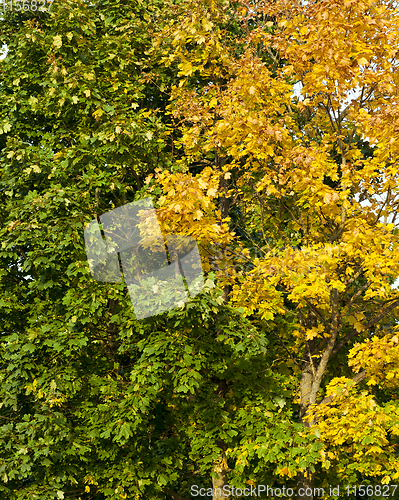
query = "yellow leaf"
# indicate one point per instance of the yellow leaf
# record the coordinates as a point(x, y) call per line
point(213, 102)
point(198, 214)
point(57, 41)
point(286, 471)
point(312, 333)
point(98, 113)
point(202, 183)
point(207, 24)
point(186, 68)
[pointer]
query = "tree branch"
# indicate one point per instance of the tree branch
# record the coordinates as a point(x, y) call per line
point(371, 323)
point(330, 345)
point(356, 380)
point(358, 293)
point(286, 348)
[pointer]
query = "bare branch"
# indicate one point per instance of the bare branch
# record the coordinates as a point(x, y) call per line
point(286, 348)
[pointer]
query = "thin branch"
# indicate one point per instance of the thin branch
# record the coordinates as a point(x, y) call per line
point(286, 348)
point(299, 222)
point(338, 232)
point(370, 324)
point(316, 311)
point(327, 109)
point(275, 59)
point(349, 282)
point(355, 380)
point(358, 293)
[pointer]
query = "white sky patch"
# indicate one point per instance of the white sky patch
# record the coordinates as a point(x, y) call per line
point(3, 52)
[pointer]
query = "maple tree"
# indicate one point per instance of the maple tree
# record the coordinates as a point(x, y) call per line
point(312, 183)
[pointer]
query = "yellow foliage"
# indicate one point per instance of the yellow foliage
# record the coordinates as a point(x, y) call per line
point(380, 357)
point(187, 207)
point(321, 165)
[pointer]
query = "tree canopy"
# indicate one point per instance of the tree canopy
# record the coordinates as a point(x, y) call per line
point(268, 132)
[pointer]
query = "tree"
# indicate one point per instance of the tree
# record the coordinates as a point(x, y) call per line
point(96, 404)
point(297, 172)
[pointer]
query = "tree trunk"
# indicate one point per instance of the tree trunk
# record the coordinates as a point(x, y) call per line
point(220, 469)
point(311, 378)
point(305, 486)
point(305, 479)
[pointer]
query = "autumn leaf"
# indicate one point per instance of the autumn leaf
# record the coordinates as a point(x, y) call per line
point(57, 41)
